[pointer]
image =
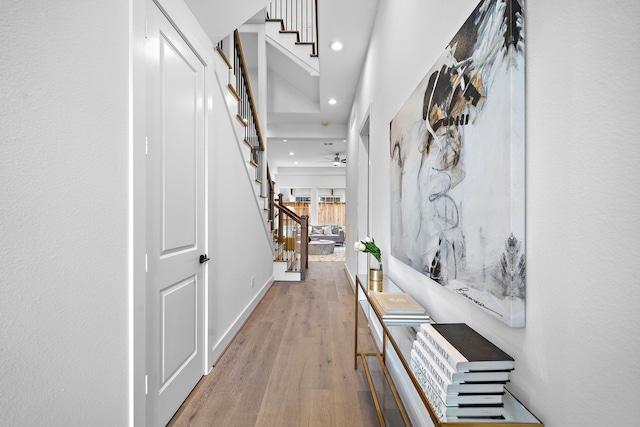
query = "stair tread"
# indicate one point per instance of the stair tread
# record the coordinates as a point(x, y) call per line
point(233, 91)
point(296, 33)
point(242, 120)
point(281, 21)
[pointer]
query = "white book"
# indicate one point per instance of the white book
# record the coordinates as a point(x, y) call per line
point(442, 411)
point(404, 322)
point(453, 399)
point(453, 375)
point(424, 317)
point(435, 356)
point(464, 349)
point(446, 386)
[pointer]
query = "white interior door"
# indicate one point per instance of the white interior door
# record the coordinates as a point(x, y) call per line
point(175, 218)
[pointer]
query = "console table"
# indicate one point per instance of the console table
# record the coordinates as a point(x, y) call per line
point(386, 399)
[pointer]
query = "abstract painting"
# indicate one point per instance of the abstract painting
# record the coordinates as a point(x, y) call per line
point(458, 165)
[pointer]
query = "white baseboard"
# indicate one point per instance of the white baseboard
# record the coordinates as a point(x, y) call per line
point(219, 348)
point(350, 276)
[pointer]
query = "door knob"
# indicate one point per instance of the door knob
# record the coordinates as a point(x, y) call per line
point(203, 258)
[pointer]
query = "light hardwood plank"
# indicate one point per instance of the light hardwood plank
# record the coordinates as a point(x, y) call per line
point(291, 364)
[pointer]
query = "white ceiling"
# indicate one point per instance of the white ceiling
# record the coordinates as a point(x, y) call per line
point(313, 143)
point(348, 21)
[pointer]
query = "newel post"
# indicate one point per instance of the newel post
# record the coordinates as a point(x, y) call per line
point(272, 195)
point(304, 240)
point(280, 220)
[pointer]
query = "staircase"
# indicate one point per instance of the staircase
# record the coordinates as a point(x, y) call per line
point(291, 243)
point(299, 17)
point(284, 228)
point(292, 27)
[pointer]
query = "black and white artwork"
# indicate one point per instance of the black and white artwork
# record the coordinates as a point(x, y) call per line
point(458, 165)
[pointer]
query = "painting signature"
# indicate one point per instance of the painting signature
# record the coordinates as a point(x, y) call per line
point(463, 292)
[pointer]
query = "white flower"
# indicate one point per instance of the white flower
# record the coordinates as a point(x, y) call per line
point(368, 245)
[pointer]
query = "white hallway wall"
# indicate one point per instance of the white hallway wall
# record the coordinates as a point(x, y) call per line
point(64, 197)
point(219, 18)
point(64, 216)
point(576, 360)
point(241, 256)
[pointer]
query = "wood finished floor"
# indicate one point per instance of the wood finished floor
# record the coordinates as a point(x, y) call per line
point(291, 364)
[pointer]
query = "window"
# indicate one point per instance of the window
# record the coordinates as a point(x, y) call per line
point(329, 199)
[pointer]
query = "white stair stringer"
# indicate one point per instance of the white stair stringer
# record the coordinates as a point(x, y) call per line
point(281, 274)
point(286, 43)
point(226, 77)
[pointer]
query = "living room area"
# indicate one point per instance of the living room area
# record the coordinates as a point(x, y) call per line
point(310, 181)
point(326, 209)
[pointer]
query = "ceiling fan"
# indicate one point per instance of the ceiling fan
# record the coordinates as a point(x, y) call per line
point(337, 160)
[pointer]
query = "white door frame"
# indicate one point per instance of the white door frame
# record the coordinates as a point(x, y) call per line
point(182, 18)
point(364, 191)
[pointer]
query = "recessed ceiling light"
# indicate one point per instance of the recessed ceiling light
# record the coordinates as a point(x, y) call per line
point(291, 153)
point(336, 45)
point(332, 101)
point(284, 140)
point(295, 163)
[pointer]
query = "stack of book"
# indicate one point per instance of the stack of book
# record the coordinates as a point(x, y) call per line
point(461, 373)
point(398, 309)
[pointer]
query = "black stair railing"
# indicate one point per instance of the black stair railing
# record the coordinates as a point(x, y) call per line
point(290, 230)
point(297, 16)
point(271, 188)
point(247, 112)
point(291, 238)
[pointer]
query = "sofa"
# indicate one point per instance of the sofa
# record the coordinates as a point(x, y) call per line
point(336, 233)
